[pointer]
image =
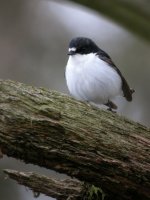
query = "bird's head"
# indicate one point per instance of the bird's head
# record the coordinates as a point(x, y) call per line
point(82, 45)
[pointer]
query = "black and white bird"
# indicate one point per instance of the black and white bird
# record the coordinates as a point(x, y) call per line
point(92, 76)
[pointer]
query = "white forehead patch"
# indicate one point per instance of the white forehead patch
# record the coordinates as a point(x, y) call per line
point(72, 49)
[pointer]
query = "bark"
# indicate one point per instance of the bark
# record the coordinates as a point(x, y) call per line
point(55, 131)
point(60, 189)
point(133, 15)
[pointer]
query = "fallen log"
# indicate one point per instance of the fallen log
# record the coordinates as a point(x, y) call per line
point(55, 131)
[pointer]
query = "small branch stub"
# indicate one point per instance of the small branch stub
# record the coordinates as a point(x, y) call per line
point(68, 189)
point(59, 189)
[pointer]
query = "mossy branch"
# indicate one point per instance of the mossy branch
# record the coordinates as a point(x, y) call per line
point(55, 131)
point(67, 189)
point(70, 189)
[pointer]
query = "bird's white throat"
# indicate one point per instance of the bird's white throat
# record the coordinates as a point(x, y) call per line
point(80, 60)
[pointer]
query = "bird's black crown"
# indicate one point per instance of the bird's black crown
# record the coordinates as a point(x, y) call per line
point(83, 45)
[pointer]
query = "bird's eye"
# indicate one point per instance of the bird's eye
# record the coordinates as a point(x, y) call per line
point(82, 49)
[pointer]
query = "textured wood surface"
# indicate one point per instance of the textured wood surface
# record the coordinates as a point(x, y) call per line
point(70, 189)
point(55, 131)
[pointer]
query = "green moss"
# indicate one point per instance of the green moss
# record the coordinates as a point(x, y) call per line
point(50, 112)
point(94, 193)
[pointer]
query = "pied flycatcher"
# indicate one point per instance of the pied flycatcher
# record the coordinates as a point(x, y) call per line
point(92, 76)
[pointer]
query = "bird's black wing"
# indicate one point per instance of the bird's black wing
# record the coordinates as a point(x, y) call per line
point(125, 87)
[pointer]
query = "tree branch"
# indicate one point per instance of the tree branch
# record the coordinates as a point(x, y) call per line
point(55, 131)
point(70, 189)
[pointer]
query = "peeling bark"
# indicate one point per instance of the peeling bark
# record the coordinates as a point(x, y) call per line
point(55, 131)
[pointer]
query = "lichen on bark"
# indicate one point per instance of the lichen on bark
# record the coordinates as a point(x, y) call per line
point(55, 131)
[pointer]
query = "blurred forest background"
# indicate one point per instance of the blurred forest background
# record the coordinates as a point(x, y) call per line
point(34, 37)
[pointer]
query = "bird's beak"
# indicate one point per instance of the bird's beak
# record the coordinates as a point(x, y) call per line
point(70, 53)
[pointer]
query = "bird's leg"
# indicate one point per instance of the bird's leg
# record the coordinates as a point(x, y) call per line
point(111, 106)
point(110, 109)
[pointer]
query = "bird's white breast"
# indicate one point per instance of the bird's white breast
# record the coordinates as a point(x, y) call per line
point(91, 79)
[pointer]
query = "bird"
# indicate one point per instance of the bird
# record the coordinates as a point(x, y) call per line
point(92, 76)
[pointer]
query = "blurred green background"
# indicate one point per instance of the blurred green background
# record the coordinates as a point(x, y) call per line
point(34, 37)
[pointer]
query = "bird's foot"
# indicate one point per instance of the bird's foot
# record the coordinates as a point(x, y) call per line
point(111, 106)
